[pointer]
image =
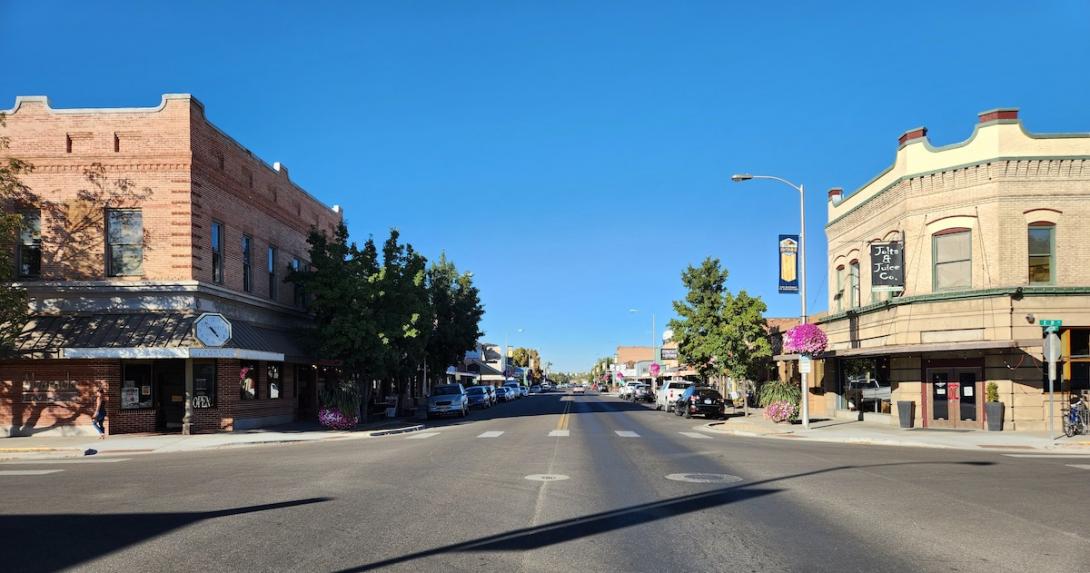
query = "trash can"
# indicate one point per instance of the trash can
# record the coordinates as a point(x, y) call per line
point(906, 411)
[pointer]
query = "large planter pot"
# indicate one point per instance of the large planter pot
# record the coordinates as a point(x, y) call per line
point(993, 411)
point(906, 413)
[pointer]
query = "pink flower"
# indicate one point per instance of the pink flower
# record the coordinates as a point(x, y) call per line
point(334, 419)
point(805, 339)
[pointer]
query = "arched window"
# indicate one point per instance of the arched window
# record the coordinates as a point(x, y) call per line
point(952, 259)
point(854, 295)
point(1042, 253)
point(840, 280)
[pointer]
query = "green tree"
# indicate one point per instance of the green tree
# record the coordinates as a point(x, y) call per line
point(13, 300)
point(699, 327)
point(748, 349)
point(403, 311)
point(457, 311)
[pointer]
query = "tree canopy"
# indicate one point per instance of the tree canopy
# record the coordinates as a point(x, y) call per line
point(13, 300)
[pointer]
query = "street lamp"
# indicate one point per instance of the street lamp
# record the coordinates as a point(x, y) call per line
point(739, 178)
point(506, 335)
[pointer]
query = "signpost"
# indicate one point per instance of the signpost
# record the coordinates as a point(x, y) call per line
point(1052, 354)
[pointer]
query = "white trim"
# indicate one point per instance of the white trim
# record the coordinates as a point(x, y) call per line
point(162, 353)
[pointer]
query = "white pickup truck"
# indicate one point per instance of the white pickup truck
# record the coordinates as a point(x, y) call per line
point(668, 394)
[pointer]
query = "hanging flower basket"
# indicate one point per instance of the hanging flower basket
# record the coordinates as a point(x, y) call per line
point(805, 339)
point(334, 419)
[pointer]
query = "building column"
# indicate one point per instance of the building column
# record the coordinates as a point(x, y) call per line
point(187, 419)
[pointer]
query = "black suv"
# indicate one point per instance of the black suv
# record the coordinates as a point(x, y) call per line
point(700, 400)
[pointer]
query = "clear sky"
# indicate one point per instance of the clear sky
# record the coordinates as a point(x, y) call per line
point(574, 155)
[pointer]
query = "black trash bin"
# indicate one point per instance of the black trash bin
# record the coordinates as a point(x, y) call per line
point(906, 411)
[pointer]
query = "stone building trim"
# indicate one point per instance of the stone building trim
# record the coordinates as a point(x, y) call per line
point(954, 295)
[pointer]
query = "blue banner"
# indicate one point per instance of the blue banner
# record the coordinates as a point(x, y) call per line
point(789, 263)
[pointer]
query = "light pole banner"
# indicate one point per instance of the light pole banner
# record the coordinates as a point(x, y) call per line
point(789, 263)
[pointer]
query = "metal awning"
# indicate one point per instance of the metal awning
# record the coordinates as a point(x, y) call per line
point(147, 335)
point(965, 346)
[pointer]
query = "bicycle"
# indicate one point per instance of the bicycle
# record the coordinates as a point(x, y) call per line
point(1076, 419)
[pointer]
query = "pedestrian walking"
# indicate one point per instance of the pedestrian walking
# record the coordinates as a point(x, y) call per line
point(100, 414)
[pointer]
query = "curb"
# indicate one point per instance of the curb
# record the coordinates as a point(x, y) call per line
point(395, 431)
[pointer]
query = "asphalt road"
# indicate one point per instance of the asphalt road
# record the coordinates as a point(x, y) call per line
point(457, 498)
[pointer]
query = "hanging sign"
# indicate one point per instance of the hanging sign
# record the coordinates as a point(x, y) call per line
point(887, 269)
point(789, 263)
point(805, 364)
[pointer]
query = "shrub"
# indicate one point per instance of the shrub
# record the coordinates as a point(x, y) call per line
point(781, 411)
point(778, 391)
point(343, 396)
point(991, 392)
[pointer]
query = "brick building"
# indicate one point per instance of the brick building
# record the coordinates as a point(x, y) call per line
point(991, 233)
point(140, 224)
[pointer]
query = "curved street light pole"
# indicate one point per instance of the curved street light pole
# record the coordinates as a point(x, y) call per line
point(802, 273)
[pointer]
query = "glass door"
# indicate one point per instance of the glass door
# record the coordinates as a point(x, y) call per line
point(954, 398)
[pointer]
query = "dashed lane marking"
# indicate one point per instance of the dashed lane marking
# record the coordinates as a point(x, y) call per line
point(27, 472)
point(559, 434)
point(75, 461)
point(422, 435)
point(491, 434)
point(626, 434)
point(695, 435)
point(1079, 466)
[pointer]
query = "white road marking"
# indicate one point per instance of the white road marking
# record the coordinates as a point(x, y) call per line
point(559, 433)
point(491, 434)
point(27, 472)
point(422, 435)
point(1053, 456)
point(626, 434)
point(1079, 466)
point(695, 435)
point(74, 461)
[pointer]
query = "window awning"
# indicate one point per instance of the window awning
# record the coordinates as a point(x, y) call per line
point(148, 335)
point(917, 349)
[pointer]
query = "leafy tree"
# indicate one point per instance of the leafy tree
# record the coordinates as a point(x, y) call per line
point(456, 310)
point(748, 349)
point(403, 310)
point(13, 300)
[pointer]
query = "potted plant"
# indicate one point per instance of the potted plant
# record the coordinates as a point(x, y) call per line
point(340, 405)
point(993, 408)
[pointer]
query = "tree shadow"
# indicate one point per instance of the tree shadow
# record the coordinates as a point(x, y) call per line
point(58, 541)
point(530, 538)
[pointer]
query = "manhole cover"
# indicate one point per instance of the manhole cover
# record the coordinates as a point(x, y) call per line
point(546, 477)
point(704, 478)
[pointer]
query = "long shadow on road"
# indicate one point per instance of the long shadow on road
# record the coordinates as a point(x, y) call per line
point(59, 541)
point(531, 538)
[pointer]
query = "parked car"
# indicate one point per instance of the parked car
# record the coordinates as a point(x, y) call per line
point(513, 387)
point(524, 390)
point(625, 391)
point(642, 393)
point(669, 392)
point(491, 393)
point(479, 397)
point(535, 389)
point(579, 389)
point(700, 400)
point(504, 394)
point(448, 400)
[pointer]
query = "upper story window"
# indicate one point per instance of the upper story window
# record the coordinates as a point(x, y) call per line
point(272, 271)
point(247, 264)
point(29, 255)
point(125, 235)
point(1042, 253)
point(952, 259)
point(217, 252)
point(840, 282)
point(853, 284)
point(298, 294)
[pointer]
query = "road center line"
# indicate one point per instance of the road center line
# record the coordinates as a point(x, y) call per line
point(1079, 466)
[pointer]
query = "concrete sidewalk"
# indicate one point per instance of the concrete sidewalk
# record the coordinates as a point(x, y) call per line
point(855, 432)
point(123, 444)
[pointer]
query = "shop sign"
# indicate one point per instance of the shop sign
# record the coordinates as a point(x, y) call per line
point(669, 353)
point(789, 263)
point(887, 270)
point(805, 364)
point(49, 391)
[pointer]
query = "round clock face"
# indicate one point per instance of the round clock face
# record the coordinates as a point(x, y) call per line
point(213, 330)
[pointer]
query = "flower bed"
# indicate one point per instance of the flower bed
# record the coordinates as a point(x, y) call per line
point(781, 411)
point(334, 419)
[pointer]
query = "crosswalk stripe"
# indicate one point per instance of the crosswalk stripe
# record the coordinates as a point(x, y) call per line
point(27, 472)
point(1053, 456)
point(695, 435)
point(74, 461)
point(1079, 466)
point(422, 435)
point(626, 433)
point(491, 434)
point(559, 433)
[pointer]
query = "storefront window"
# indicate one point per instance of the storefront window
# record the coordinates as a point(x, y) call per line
point(853, 283)
point(204, 385)
point(839, 289)
point(247, 382)
point(276, 389)
point(136, 387)
point(865, 385)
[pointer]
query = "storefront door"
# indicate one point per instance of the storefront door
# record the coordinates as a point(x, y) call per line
point(170, 382)
point(953, 397)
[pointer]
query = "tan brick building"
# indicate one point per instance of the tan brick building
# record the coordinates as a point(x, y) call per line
point(992, 233)
point(140, 221)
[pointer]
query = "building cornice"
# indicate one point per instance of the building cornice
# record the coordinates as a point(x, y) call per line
point(1025, 291)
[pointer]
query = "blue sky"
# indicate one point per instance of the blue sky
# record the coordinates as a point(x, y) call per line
point(574, 155)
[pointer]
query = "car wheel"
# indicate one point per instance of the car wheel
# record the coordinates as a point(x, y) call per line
point(688, 414)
